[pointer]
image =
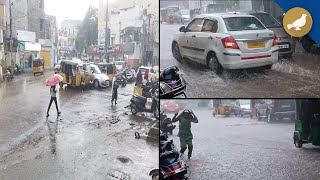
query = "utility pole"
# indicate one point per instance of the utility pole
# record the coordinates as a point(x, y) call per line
point(144, 37)
point(107, 32)
point(11, 40)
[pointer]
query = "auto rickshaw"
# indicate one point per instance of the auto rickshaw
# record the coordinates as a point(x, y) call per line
point(109, 69)
point(73, 74)
point(38, 66)
point(307, 123)
point(222, 107)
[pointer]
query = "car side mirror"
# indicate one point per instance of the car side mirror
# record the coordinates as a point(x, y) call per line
point(182, 29)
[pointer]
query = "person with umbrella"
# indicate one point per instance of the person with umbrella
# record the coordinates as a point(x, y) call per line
point(52, 82)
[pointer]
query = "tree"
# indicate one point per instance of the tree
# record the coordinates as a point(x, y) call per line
point(88, 30)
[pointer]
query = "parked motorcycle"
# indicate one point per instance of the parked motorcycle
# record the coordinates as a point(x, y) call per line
point(172, 164)
point(17, 69)
point(9, 75)
point(148, 103)
point(172, 83)
point(166, 125)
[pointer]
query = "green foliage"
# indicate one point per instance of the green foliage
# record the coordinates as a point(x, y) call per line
point(88, 31)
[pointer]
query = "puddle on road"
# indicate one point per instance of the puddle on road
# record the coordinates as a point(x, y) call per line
point(124, 159)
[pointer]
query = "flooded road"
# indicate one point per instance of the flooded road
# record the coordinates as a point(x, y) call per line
point(243, 148)
point(90, 140)
point(289, 78)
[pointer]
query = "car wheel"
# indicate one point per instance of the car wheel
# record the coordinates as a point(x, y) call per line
point(134, 111)
point(176, 51)
point(214, 64)
point(241, 114)
point(268, 66)
point(96, 84)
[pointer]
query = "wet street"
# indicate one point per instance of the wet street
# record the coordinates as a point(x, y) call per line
point(90, 140)
point(243, 148)
point(289, 78)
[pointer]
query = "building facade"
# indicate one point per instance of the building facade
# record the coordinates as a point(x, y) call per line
point(67, 37)
point(149, 31)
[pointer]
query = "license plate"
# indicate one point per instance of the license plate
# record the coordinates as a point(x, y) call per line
point(256, 45)
point(283, 46)
point(169, 125)
point(285, 106)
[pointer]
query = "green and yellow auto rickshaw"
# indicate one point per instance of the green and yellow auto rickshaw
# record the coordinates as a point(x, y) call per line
point(307, 123)
point(222, 107)
point(38, 66)
point(73, 74)
point(109, 69)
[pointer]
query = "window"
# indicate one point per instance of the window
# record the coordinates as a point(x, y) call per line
point(243, 23)
point(210, 26)
point(41, 24)
point(41, 4)
point(112, 40)
point(195, 25)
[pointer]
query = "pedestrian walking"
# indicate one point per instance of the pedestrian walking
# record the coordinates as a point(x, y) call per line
point(185, 134)
point(115, 87)
point(139, 78)
point(53, 93)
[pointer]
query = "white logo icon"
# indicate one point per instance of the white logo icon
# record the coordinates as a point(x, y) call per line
point(297, 24)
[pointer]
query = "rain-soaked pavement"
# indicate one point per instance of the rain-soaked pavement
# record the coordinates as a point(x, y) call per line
point(243, 148)
point(85, 142)
point(297, 77)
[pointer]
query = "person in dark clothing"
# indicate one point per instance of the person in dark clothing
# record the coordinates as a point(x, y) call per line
point(115, 92)
point(139, 78)
point(185, 134)
point(53, 93)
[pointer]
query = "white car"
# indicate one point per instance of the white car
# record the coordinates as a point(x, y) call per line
point(99, 79)
point(226, 41)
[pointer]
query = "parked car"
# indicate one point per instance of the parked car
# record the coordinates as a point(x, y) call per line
point(226, 41)
point(242, 107)
point(171, 106)
point(287, 43)
point(276, 109)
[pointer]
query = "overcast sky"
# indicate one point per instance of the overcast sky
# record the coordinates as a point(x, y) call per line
point(71, 9)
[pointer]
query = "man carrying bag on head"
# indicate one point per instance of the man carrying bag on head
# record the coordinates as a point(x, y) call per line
point(185, 134)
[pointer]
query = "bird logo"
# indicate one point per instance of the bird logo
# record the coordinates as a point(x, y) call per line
point(297, 22)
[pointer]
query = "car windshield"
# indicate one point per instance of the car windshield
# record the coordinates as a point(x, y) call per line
point(185, 12)
point(243, 23)
point(95, 69)
point(268, 20)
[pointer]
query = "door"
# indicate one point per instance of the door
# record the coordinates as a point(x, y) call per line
point(46, 56)
point(206, 39)
point(189, 41)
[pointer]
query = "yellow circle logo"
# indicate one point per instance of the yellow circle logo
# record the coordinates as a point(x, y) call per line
point(297, 22)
